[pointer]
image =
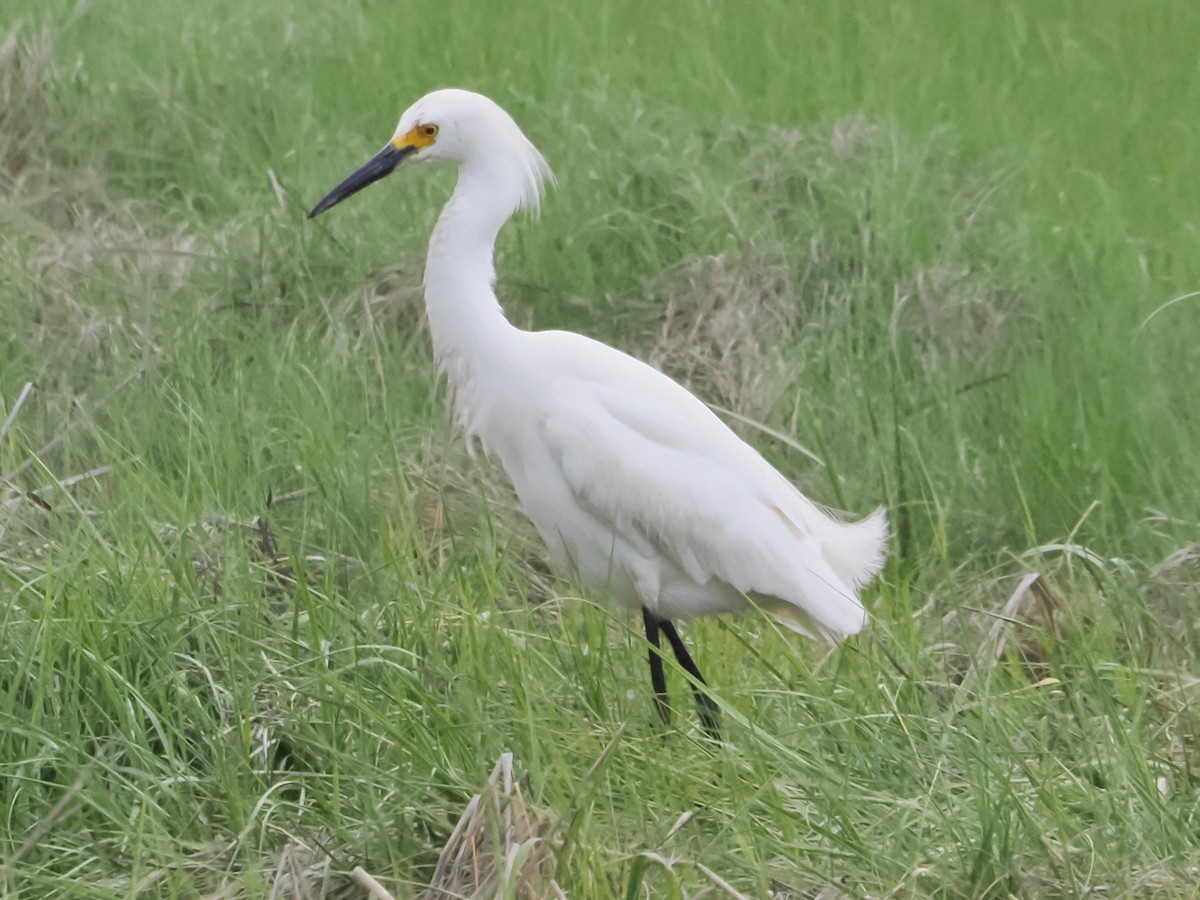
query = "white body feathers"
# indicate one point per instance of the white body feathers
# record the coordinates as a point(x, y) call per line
point(634, 484)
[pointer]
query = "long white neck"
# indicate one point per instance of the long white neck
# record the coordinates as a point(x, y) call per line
point(465, 319)
point(473, 342)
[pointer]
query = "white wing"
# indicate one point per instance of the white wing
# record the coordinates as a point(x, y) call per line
point(648, 458)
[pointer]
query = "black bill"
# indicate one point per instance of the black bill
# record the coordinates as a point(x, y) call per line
point(381, 164)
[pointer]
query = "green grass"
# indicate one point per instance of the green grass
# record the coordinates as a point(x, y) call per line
point(941, 228)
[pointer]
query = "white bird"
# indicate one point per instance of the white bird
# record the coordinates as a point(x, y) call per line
point(635, 486)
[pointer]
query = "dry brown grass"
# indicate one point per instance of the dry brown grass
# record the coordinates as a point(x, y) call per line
point(112, 255)
point(26, 62)
point(86, 271)
point(961, 318)
point(737, 327)
point(723, 323)
point(38, 193)
point(500, 846)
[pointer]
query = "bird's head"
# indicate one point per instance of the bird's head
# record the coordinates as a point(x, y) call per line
point(461, 127)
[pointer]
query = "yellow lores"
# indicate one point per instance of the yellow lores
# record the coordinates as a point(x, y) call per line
point(418, 137)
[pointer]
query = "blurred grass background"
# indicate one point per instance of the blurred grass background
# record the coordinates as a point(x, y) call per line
point(285, 627)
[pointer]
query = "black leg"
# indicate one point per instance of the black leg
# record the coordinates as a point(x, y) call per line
point(658, 678)
point(710, 715)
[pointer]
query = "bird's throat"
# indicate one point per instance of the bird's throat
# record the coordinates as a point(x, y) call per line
point(465, 316)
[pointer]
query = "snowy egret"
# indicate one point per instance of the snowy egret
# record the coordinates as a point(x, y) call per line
point(635, 486)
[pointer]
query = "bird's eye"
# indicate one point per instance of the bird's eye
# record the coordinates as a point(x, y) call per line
point(429, 130)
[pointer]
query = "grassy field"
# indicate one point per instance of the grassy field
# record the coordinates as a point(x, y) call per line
point(262, 620)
